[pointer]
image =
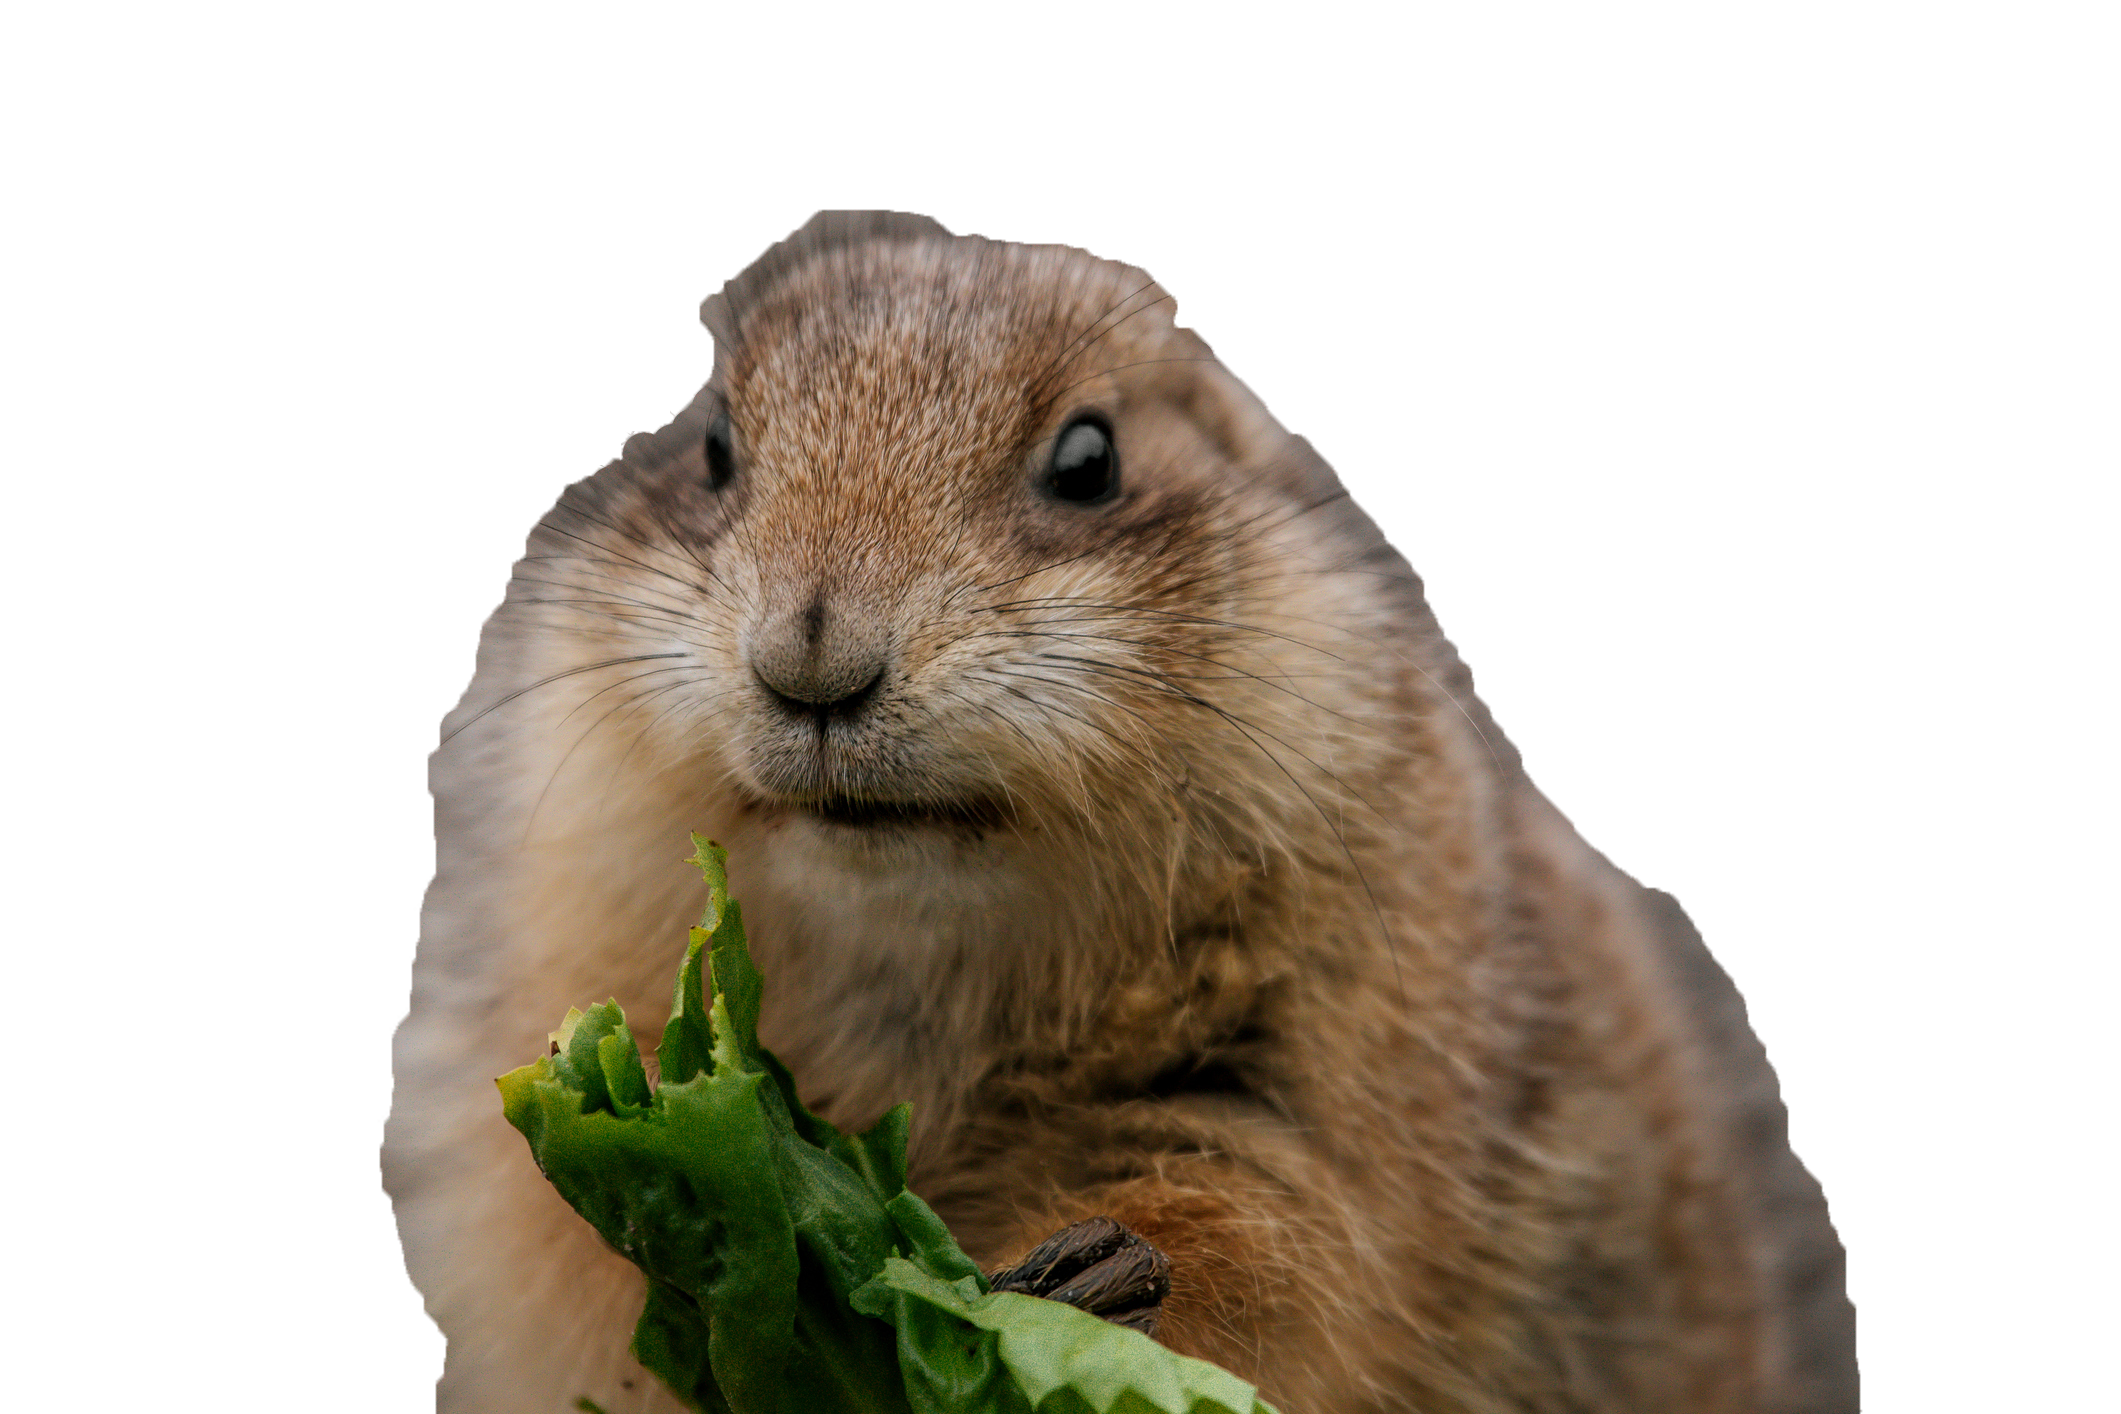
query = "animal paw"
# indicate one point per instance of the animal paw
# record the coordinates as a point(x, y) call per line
point(1100, 1266)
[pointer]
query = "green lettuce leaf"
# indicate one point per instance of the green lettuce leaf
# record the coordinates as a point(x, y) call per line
point(790, 1270)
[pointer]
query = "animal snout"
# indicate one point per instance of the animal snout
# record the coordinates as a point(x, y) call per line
point(819, 658)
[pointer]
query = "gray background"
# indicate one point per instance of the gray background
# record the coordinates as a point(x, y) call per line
point(1659, 571)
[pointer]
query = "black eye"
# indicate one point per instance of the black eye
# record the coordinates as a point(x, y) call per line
point(1085, 465)
point(721, 453)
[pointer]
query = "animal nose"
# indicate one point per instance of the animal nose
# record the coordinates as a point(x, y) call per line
point(815, 659)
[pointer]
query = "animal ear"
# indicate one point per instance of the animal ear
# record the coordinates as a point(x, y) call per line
point(828, 230)
point(1241, 425)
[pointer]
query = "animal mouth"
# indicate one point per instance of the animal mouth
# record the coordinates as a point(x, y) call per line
point(872, 815)
point(859, 813)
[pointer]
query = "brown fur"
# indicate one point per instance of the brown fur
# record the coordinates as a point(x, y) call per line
point(1252, 934)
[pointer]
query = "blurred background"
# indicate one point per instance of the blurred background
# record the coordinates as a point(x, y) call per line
point(1659, 569)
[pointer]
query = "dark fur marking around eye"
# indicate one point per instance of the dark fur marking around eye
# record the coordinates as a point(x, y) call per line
point(676, 491)
point(1152, 525)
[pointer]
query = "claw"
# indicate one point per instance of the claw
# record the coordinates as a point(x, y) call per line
point(1099, 1266)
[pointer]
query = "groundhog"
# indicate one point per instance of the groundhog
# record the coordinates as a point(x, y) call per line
point(1096, 777)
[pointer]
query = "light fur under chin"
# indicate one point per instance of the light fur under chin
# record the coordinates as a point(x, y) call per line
point(1274, 954)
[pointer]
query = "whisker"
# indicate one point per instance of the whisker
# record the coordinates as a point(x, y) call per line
point(1248, 730)
point(546, 524)
point(633, 677)
point(1123, 367)
point(607, 594)
point(979, 588)
point(1231, 673)
point(1340, 838)
point(1196, 700)
point(1077, 687)
point(1458, 594)
point(1452, 698)
point(418, 581)
point(1080, 346)
point(608, 611)
point(642, 734)
point(455, 732)
point(1004, 718)
point(1234, 673)
point(992, 674)
point(530, 820)
point(1060, 360)
point(571, 509)
point(1170, 614)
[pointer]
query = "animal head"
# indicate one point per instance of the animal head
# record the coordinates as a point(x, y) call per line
point(969, 542)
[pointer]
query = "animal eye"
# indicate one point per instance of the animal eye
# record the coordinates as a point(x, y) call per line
point(721, 453)
point(1085, 467)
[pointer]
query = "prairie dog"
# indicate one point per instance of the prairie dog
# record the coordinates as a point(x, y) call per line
point(1095, 776)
